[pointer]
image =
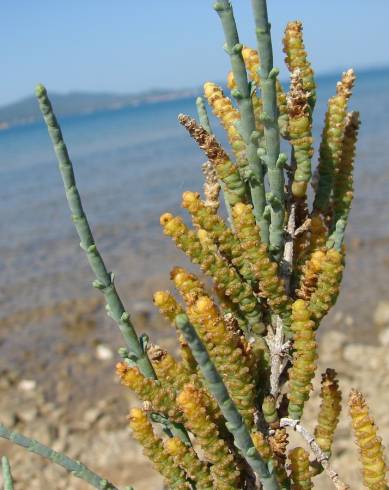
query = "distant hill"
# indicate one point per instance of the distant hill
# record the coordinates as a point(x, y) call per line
point(26, 110)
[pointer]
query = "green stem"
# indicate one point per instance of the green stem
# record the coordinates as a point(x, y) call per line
point(234, 421)
point(337, 236)
point(104, 280)
point(203, 116)
point(172, 428)
point(242, 93)
point(75, 467)
point(7, 476)
point(272, 158)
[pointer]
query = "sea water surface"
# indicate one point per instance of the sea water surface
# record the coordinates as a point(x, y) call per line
point(132, 165)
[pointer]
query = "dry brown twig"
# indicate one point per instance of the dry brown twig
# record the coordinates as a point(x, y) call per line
point(211, 186)
point(279, 350)
point(287, 261)
point(320, 456)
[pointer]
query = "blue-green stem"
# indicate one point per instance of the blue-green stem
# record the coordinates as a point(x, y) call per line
point(75, 467)
point(7, 476)
point(203, 115)
point(247, 128)
point(234, 421)
point(104, 279)
point(272, 157)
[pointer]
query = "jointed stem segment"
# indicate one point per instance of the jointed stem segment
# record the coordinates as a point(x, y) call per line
point(247, 126)
point(272, 157)
point(104, 280)
point(234, 420)
point(7, 476)
point(75, 467)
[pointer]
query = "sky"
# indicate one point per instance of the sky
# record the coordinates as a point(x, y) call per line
point(129, 46)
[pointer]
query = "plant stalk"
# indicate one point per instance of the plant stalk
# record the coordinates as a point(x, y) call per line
point(104, 279)
point(242, 93)
point(203, 116)
point(75, 467)
point(272, 157)
point(7, 476)
point(234, 421)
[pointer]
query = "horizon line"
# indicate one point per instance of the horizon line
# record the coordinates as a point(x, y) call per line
point(324, 74)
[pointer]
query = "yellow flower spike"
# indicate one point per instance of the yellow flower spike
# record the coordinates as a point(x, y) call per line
point(251, 60)
point(187, 459)
point(189, 285)
point(310, 275)
point(225, 276)
point(370, 446)
point(228, 244)
point(142, 431)
point(162, 399)
point(191, 288)
point(296, 57)
point(203, 217)
point(264, 270)
point(330, 408)
point(167, 305)
point(169, 308)
point(231, 312)
point(343, 186)
point(258, 112)
point(300, 471)
point(188, 361)
point(318, 233)
point(304, 358)
point(328, 284)
point(231, 84)
point(300, 133)
point(330, 152)
point(269, 411)
point(216, 451)
point(227, 172)
point(230, 354)
point(168, 370)
point(176, 375)
point(343, 178)
point(206, 240)
point(228, 116)
point(262, 445)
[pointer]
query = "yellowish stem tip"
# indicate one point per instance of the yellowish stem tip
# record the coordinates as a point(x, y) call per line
point(299, 189)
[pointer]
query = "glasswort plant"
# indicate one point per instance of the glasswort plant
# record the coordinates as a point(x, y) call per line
point(248, 348)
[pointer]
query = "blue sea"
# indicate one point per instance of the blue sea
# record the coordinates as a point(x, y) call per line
point(131, 166)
